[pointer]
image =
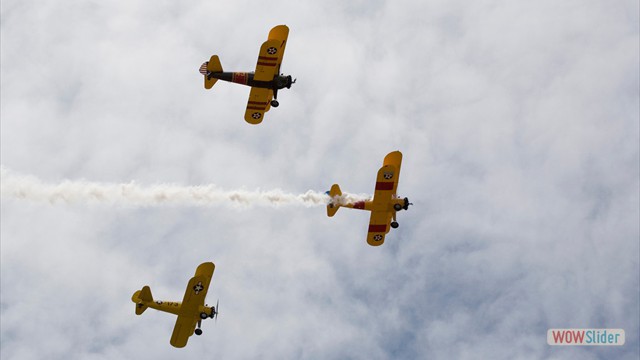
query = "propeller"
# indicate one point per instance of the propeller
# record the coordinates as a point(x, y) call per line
point(406, 204)
point(216, 310)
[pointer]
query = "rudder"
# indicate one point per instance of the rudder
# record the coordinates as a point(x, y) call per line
point(141, 298)
point(333, 207)
point(212, 66)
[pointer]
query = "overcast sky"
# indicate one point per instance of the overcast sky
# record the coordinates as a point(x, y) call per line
point(518, 122)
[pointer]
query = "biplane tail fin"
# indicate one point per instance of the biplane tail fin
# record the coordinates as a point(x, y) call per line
point(208, 68)
point(333, 206)
point(141, 298)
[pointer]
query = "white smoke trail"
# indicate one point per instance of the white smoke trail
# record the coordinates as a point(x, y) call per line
point(131, 194)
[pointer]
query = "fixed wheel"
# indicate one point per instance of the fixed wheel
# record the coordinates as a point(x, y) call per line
point(397, 207)
point(394, 224)
point(198, 332)
point(275, 103)
point(203, 315)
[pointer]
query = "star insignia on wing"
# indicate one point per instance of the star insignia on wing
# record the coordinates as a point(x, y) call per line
point(198, 287)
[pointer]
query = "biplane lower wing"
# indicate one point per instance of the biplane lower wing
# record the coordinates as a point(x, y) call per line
point(258, 104)
point(268, 59)
point(197, 289)
point(387, 182)
point(387, 178)
point(185, 325)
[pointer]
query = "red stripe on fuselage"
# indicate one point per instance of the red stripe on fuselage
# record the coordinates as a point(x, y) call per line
point(378, 228)
point(384, 185)
point(240, 78)
point(262, 63)
point(358, 205)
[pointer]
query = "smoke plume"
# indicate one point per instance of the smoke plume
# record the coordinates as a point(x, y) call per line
point(132, 194)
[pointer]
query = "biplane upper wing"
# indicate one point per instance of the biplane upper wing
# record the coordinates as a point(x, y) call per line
point(271, 53)
point(279, 33)
point(194, 297)
point(258, 104)
point(382, 209)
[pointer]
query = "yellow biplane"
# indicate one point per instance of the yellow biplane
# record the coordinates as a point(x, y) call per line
point(190, 312)
point(385, 202)
point(265, 81)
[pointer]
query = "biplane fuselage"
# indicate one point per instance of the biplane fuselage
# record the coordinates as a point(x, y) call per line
point(370, 205)
point(247, 78)
point(175, 307)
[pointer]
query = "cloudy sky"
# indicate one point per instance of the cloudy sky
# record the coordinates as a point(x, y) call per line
point(518, 122)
